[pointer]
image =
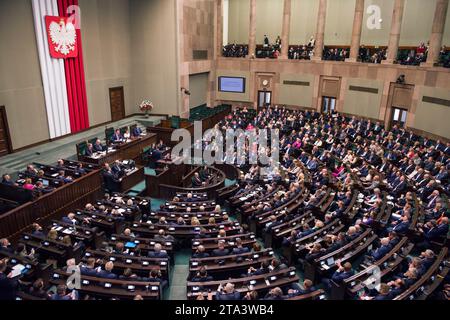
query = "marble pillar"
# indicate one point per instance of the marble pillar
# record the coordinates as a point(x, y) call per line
point(356, 33)
point(320, 30)
point(437, 32)
point(396, 27)
point(286, 29)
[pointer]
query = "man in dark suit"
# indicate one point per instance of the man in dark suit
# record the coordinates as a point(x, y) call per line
point(200, 253)
point(158, 253)
point(107, 272)
point(196, 181)
point(5, 246)
point(63, 178)
point(343, 272)
point(117, 137)
point(7, 180)
point(8, 285)
point(79, 170)
point(61, 294)
point(89, 268)
point(308, 287)
point(89, 150)
point(220, 251)
point(400, 226)
point(202, 276)
point(382, 250)
point(70, 218)
point(239, 248)
point(227, 293)
point(98, 147)
point(37, 230)
point(136, 132)
point(440, 229)
point(31, 170)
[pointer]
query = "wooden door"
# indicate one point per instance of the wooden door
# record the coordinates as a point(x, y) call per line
point(117, 102)
point(5, 140)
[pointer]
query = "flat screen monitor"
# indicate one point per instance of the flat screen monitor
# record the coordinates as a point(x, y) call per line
point(232, 84)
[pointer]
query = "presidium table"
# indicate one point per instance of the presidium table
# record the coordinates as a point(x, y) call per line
point(130, 150)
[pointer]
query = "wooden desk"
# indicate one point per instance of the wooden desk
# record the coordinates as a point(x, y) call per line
point(131, 150)
point(49, 206)
point(132, 179)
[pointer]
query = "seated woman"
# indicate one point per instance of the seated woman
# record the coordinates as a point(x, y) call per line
point(28, 185)
point(338, 171)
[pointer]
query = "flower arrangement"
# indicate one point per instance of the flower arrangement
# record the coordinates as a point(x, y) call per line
point(146, 106)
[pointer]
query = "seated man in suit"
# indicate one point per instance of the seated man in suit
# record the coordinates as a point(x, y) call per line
point(274, 294)
point(8, 286)
point(161, 146)
point(62, 295)
point(37, 230)
point(227, 293)
point(63, 178)
point(433, 230)
point(383, 294)
point(31, 170)
point(382, 250)
point(202, 276)
point(401, 225)
point(220, 251)
point(5, 246)
point(136, 132)
point(117, 137)
point(308, 287)
point(155, 276)
point(343, 272)
point(200, 252)
point(88, 269)
point(203, 174)
point(79, 169)
point(60, 164)
point(158, 252)
point(89, 150)
point(162, 236)
point(196, 181)
point(98, 147)
point(7, 180)
point(107, 272)
point(239, 248)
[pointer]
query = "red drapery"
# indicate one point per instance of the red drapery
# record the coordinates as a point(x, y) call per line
point(75, 79)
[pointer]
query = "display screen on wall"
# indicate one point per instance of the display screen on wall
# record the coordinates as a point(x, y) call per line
point(232, 84)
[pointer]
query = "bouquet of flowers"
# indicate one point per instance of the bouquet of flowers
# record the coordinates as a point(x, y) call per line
point(146, 106)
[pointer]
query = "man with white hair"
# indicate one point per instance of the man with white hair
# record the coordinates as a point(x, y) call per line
point(227, 293)
point(107, 272)
point(158, 252)
point(382, 250)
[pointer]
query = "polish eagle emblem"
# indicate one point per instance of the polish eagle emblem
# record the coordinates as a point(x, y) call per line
point(63, 36)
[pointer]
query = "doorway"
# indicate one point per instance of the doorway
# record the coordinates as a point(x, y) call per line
point(398, 117)
point(264, 98)
point(5, 138)
point(328, 104)
point(117, 102)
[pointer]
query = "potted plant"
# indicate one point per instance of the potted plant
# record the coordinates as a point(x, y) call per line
point(146, 106)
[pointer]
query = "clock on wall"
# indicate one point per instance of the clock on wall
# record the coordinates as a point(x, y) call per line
point(265, 83)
